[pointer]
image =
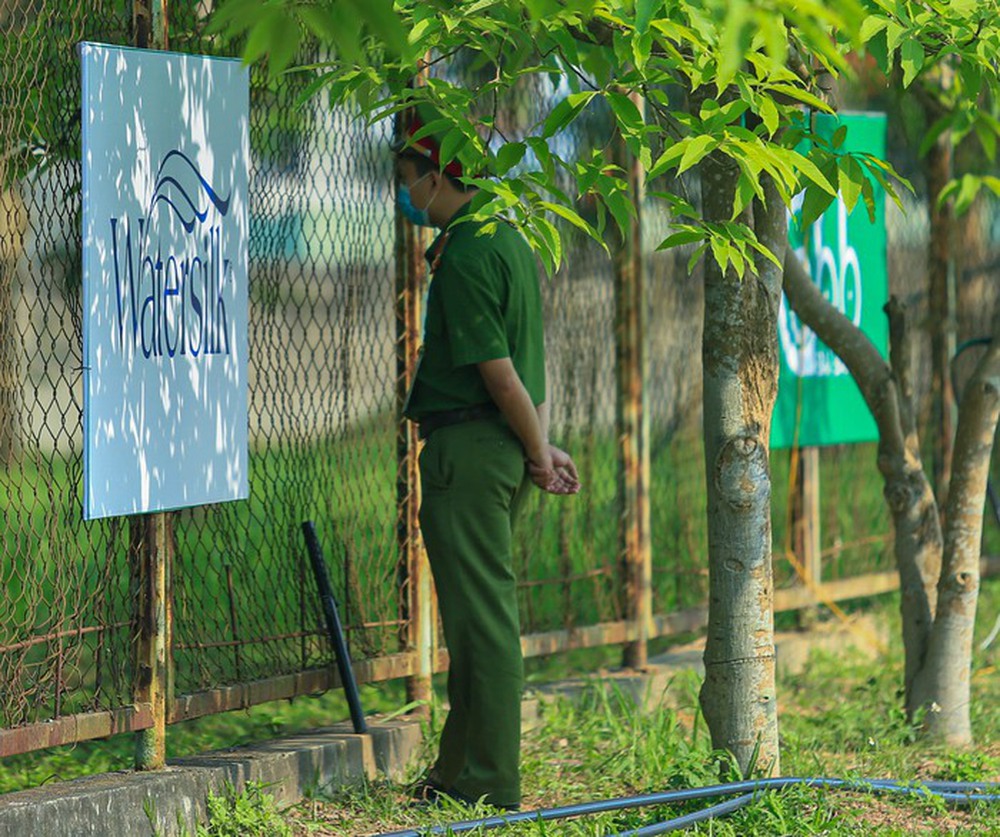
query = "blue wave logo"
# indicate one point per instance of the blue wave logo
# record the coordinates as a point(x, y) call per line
point(185, 191)
point(172, 290)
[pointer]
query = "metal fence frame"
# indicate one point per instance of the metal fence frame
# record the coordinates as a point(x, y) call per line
point(151, 543)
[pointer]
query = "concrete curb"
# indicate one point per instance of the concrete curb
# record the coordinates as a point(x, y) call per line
point(170, 802)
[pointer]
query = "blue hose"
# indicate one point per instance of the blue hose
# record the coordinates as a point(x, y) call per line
point(718, 810)
point(958, 793)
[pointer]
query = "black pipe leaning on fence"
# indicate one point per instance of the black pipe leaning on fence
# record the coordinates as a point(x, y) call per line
point(956, 793)
point(334, 628)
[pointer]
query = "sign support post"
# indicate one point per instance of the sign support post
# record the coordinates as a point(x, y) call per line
point(165, 150)
point(151, 538)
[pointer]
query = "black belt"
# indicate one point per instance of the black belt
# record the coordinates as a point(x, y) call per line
point(446, 418)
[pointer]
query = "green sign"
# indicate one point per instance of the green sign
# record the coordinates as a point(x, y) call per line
point(818, 401)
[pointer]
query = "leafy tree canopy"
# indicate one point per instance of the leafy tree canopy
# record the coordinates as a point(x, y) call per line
point(748, 72)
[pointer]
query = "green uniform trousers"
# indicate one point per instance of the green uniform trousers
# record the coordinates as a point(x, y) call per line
point(473, 478)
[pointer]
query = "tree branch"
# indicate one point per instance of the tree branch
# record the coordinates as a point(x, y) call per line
point(872, 374)
point(918, 542)
point(901, 360)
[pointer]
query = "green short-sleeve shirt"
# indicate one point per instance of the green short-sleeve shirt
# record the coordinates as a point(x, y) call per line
point(484, 303)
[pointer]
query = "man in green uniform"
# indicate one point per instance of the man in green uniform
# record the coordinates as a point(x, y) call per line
point(479, 399)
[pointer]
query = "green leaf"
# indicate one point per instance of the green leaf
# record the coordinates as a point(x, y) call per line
point(695, 256)
point(550, 235)
point(666, 160)
point(814, 204)
point(644, 11)
point(967, 192)
point(877, 168)
point(771, 29)
point(435, 126)
point(946, 193)
point(568, 214)
point(485, 207)
point(971, 74)
point(893, 35)
point(509, 156)
point(726, 115)
point(382, 21)
point(810, 171)
point(720, 251)
point(642, 46)
point(453, 142)
point(987, 138)
point(850, 178)
point(566, 111)
point(801, 95)
point(769, 115)
point(621, 209)
point(696, 149)
point(625, 111)
point(420, 28)
point(284, 44)
point(259, 40)
point(233, 17)
point(993, 184)
point(868, 193)
point(541, 149)
point(319, 20)
point(911, 60)
point(872, 25)
point(765, 252)
point(837, 140)
point(739, 262)
point(747, 189)
point(679, 239)
point(734, 41)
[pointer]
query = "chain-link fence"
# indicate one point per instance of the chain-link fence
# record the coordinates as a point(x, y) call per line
point(324, 333)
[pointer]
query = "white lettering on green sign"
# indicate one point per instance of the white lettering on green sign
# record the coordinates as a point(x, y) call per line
point(836, 270)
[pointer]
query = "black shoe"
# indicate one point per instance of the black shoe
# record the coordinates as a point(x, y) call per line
point(469, 801)
point(429, 793)
point(426, 790)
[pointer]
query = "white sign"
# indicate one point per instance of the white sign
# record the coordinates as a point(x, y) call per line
point(165, 152)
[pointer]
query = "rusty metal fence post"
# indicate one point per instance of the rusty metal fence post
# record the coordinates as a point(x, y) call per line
point(805, 525)
point(632, 417)
point(151, 536)
point(416, 588)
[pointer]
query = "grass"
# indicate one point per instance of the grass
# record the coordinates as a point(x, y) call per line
point(839, 717)
point(250, 813)
point(257, 544)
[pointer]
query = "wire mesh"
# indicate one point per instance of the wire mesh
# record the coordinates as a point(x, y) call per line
point(322, 400)
point(66, 635)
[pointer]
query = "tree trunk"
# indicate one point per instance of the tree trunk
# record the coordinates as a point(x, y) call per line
point(889, 396)
point(943, 683)
point(740, 357)
point(938, 604)
point(941, 312)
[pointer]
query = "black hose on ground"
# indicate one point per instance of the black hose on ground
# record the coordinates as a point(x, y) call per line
point(956, 793)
